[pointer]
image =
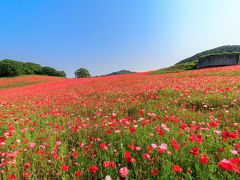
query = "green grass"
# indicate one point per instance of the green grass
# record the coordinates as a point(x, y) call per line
point(177, 68)
point(18, 84)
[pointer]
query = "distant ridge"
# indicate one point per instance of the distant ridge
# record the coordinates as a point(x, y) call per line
point(218, 50)
point(119, 73)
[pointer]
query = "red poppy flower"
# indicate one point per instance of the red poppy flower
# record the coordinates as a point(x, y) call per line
point(213, 123)
point(75, 154)
point(226, 164)
point(237, 146)
point(103, 146)
point(132, 129)
point(231, 135)
point(175, 144)
point(194, 151)
point(177, 168)
point(27, 165)
point(27, 174)
point(93, 169)
point(78, 173)
point(64, 168)
point(221, 150)
point(146, 156)
point(235, 160)
point(154, 172)
point(189, 171)
point(132, 147)
point(12, 176)
point(2, 139)
point(128, 157)
point(204, 159)
point(106, 164)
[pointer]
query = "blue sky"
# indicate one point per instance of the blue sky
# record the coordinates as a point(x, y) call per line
point(110, 35)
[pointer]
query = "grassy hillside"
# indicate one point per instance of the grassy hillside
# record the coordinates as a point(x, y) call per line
point(177, 68)
point(218, 50)
point(191, 62)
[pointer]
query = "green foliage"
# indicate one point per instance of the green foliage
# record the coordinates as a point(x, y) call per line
point(218, 50)
point(82, 73)
point(61, 74)
point(11, 68)
point(8, 70)
point(33, 68)
point(49, 71)
point(177, 68)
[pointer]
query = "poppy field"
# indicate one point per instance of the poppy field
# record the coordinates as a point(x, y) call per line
point(140, 126)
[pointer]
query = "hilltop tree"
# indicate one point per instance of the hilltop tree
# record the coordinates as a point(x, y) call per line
point(82, 73)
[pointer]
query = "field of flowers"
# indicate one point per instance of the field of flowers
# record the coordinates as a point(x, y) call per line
point(6, 83)
point(139, 126)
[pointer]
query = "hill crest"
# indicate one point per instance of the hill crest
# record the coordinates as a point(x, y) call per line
point(120, 72)
point(218, 50)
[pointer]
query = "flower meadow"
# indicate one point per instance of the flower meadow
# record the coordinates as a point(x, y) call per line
point(140, 126)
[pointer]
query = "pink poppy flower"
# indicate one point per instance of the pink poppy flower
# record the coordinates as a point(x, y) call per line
point(163, 146)
point(123, 172)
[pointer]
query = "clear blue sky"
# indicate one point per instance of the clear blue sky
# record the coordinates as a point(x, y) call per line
point(110, 35)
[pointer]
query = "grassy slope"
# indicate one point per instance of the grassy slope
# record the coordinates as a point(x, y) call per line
point(177, 68)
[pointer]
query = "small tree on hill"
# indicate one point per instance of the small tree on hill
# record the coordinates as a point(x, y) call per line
point(82, 73)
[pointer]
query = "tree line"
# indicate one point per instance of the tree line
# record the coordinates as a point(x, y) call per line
point(12, 68)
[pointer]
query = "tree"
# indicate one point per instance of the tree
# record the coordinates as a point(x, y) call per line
point(48, 71)
point(8, 70)
point(61, 74)
point(82, 73)
point(32, 68)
